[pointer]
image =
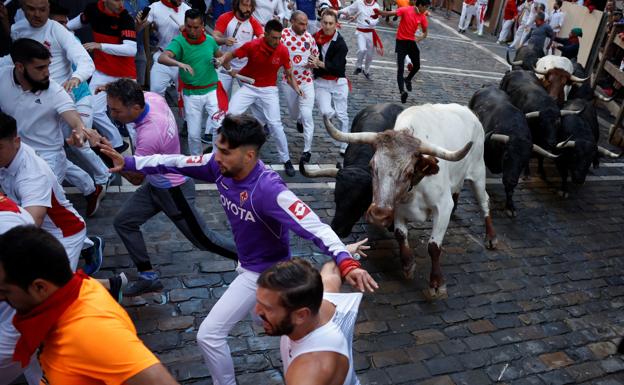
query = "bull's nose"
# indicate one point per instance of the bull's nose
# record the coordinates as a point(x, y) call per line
point(380, 216)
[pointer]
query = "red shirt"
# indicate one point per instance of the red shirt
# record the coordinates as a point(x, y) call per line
point(263, 62)
point(511, 10)
point(410, 19)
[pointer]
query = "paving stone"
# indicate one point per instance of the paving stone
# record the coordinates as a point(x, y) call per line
point(612, 365)
point(217, 266)
point(474, 360)
point(389, 357)
point(480, 342)
point(422, 352)
point(440, 380)
point(470, 378)
point(268, 377)
point(182, 322)
point(179, 295)
point(454, 316)
point(407, 373)
point(371, 327)
point(444, 365)
point(451, 347)
point(602, 349)
point(202, 280)
point(259, 344)
point(427, 336)
point(482, 326)
point(557, 377)
point(375, 377)
point(585, 371)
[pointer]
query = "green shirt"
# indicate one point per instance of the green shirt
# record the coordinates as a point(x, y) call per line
point(198, 56)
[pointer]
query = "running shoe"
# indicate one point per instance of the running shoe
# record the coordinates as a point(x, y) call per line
point(93, 256)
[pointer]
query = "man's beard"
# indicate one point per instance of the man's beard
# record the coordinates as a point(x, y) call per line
point(244, 15)
point(284, 328)
point(36, 85)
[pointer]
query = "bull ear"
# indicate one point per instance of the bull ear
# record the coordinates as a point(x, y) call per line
point(426, 165)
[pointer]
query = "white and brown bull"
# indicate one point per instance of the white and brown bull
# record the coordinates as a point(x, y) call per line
point(418, 170)
point(557, 75)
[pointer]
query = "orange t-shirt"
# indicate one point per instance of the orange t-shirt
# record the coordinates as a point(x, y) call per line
point(402, 3)
point(95, 342)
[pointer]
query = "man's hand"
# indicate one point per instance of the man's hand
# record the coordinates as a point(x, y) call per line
point(94, 137)
point(91, 46)
point(117, 158)
point(139, 22)
point(187, 68)
point(101, 88)
point(230, 41)
point(358, 247)
point(71, 84)
point(76, 138)
point(361, 280)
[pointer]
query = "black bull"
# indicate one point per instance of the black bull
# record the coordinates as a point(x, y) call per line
point(354, 186)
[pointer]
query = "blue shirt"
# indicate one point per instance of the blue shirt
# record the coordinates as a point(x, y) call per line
point(219, 9)
point(133, 7)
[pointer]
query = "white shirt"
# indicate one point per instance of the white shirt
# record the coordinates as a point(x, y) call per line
point(37, 114)
point(243, 31)
point(166, 29)
point(556, 20)
point(300, 47)
point(363, 13)
point(64, 47)
point(265, 9)
point(29, 181)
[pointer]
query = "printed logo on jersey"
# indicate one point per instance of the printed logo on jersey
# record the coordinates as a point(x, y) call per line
point(237, 211)
point(299, 209)
point(243, 197)
point(297, 59)
point(194, 159)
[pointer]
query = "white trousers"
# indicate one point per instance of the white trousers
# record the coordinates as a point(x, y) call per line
point(300, 109)
point(505, 30)
point(100, 119)
point(227, 82)
point(63, 169)
point(366, 49)
point(468, 11)
point(73, 246)
point(332, 98)
point(521, 34)
point(480, 13)
point(194, 107)
point(233, 306)
point(267, 99)
point(161, 76)
point(9, 369)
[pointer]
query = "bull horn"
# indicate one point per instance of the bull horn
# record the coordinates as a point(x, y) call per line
point(348, 137)
point(438, 152)
point(566, 144)
point(512, 63)
point(602, 97)
point(499, 138)
point(324, 172)
point(539, 72)
point(604, 152)
point(577, 79)
point(537, 149)
point(570, 112)
point(532, 114)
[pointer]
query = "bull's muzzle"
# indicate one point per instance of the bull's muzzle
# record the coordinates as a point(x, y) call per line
point(380, 216)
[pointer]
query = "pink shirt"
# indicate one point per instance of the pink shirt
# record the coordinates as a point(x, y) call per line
point(157, 133)
point(410, 20)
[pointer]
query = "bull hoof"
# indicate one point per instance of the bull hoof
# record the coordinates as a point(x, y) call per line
point(490, 242)
point(435, 293)
point(563, 194)
point(510, 213)
point(409, 270)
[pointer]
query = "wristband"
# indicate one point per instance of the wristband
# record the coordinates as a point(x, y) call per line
point(347, 266)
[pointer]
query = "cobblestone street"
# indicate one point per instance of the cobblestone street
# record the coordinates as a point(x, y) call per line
point(545, 307)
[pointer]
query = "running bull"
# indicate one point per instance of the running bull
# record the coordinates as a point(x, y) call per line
point(415, 176)
point(557, 75)
point(354, 186)
point(525, 59)
point(508, 144)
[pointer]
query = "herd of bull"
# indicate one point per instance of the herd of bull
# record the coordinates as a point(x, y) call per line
point(398, 167)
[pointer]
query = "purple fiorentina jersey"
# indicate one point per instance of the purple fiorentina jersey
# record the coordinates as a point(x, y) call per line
point(260, 208)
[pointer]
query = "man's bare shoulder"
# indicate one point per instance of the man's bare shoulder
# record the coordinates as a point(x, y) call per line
point(318, 368)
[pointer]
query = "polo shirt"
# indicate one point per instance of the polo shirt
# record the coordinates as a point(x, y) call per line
point(166, 28)
point(29, 181)
point(37, 114)
point(64, 48)
point(300, 47)
point(243, 30)
point(198, 56)
point(157, 133)
point(94, 342)
point(110, 28)
point(410, 19)
point(263, 61)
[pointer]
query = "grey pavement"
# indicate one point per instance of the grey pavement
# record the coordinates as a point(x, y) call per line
point(546, 307)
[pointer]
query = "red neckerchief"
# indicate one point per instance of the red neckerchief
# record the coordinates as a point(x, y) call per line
point(168, 4)
point(35, 325)
point(321, 38)
point(6, 204)
point(200, 40)
point(335, 5)
point(573, 40)
point(105, 11)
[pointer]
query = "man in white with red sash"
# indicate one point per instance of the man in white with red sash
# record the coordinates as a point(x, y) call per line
point(367, 38)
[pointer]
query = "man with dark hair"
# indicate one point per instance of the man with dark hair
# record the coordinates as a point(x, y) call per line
point(536, 38)
point(193, 52)
point(171, 193)
point(232, 30)
point(54, 308)
point(261, 211)
point(165, 17)
point(265, 56)
point(40, 105)
point(569, 46)
point(315, 320)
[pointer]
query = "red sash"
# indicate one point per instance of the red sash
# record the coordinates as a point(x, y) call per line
point(376, 40)
point(222, 98)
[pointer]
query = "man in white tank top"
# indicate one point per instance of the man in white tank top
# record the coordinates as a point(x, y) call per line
point(316, 322)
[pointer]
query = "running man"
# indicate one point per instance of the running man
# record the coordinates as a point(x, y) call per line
point(261, 211)
point(411, 18)
point(367, 38)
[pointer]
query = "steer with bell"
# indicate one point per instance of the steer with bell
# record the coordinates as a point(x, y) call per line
point(418, 170)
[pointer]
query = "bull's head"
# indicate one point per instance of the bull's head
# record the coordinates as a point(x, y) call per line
point(549, 122)
point(581, 154)
point(399, 163)
point(555, 80)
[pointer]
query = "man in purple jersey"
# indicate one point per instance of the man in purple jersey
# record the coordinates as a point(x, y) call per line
point(261, 210)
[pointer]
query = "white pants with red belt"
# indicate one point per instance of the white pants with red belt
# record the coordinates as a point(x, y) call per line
point(100, 119)
point(194, 107)
point(161, 76)
point(366, 49)
point(332, 99)
point(267, 98)
point(481, 9)
point(300, 108)
point(468, 11)
point(505, 30)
